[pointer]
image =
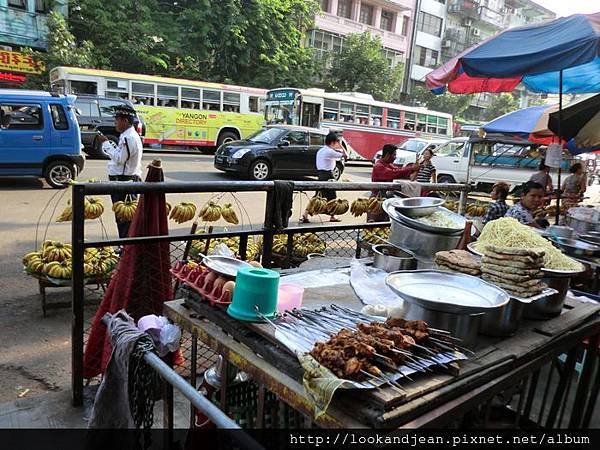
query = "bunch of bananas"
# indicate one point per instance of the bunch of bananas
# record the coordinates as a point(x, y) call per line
point(337, 207)
point(451, 205)
point(302, 245)
point(98, 262)
point(477, 209)
point(56, 269)
point(93, 208)
point(33, 262)
point(359, 207)
point(375, 205)
point(67, 214)
point(371, 235)
point(183, 212)
point(316, 205)
point(125, 210)
point(210, 212)
point(56, 251)
point(229, 214)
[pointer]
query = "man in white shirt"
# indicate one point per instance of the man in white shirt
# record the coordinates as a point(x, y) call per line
point(327, 158)
point(125, 158)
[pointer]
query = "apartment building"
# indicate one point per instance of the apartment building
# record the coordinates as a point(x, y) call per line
point(391, 20)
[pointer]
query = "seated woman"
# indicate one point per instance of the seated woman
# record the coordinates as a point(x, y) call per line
point(532, 197)
point(499, 208)
point(574, 185)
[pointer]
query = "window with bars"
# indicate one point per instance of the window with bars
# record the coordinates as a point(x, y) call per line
point(142, 93)
point(211, 100)
point(346, 112)
point(330, 110)
point(387, 20)
point(191, 98)
point(376, 116)
point(231, 102)
point(430, 24)
point(344, 8)
point(426, 57)
point(410, 120)
point(393, 118)
point(366, 14)
point(167, 96)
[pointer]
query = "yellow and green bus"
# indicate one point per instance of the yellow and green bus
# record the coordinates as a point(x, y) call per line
point(177, 112)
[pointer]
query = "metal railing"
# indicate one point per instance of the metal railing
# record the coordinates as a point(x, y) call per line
point(267, 231)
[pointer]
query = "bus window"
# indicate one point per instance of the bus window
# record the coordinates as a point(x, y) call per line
point(231, 102)
point(432, 124)
point(377, 116)
point(167, 96)
point(421, 122)
point(84, 87)
point(117, 89)
point(211, 100)
point(362, 114)
point(190, 98)
point(253, 104)
point(331, 110)
point(393, 118)
point(142, 93)
point(442, 125)
point(346, 112)
point(409, 121)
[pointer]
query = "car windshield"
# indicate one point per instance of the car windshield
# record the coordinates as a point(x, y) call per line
point(413, 146)
point(267, 135)
point(451, 149)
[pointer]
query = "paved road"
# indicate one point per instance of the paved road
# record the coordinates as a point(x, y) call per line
point(35, 352)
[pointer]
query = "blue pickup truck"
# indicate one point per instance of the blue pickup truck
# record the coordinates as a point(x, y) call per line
point(39, 136)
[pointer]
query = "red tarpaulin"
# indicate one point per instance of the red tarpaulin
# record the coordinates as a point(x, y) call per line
point(141, 282)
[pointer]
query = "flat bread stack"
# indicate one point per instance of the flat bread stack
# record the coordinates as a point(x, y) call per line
point(516, 270)
point(460, 261)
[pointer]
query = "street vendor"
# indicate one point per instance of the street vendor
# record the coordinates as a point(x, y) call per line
point(575, 185)
point(125, 157)
point(385, 171)
point(499, 208)
point(532, 197)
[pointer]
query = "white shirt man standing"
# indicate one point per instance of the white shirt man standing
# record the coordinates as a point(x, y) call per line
point(125, 158)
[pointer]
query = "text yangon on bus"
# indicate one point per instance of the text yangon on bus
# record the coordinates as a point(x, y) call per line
point(176, 112)
point(367, 124)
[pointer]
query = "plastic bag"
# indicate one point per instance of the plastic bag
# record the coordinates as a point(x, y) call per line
point(369, 285)
point(222, 250)
point(165, 335)
point(170, 336)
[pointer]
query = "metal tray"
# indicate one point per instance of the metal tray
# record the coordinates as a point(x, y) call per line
point(591, 238)
point(224, 265)
point(417, 206)
point(395, 214)
point(575, 247)
point(445, 291)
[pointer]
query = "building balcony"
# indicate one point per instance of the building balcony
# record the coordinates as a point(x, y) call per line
point(491, 17)
point(466, 8)
point(23, 28)
point(343, 26)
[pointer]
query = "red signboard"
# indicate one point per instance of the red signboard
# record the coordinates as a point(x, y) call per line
point(5, 76)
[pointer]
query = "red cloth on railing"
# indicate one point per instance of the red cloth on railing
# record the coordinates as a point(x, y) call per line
point(141, 282)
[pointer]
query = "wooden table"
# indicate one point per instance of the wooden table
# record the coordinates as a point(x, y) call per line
point(431, 399)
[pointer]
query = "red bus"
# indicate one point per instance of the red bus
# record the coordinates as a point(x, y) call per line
point(367, 124)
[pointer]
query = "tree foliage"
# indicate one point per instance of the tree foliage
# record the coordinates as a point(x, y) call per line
point(63, 50)
point(250, 42)
point(449, 103)
point(501, 104)
point(362, 67)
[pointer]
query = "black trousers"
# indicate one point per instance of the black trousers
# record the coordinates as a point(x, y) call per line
point(328, 194)
point(123, 227)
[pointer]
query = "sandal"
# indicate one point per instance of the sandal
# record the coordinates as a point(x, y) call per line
point(335, 219)
point(304, 220)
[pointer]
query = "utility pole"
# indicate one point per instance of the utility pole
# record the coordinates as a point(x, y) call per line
point(408, 68)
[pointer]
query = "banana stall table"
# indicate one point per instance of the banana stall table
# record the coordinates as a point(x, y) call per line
point(514, 365)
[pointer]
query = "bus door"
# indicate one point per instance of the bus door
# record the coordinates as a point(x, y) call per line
point(311, 113)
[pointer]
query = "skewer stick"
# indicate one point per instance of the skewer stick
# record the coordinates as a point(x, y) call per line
point(383, 380)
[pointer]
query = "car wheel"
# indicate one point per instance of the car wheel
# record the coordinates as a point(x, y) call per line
point(226, 137)
point(337, 172)
point(260, 170)
point(446, 179)
point(98, 153)
point(59, 174)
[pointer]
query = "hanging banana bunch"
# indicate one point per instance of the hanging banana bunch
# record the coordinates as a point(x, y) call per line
point(93, 208)
point(229, 214)
point(211, 212)
point(125, 210)
point(337, 207)
point(57, 251)
point(183, 212)
point(67, 214)
point(316, 205)
point(375, 205)
point(359, 207)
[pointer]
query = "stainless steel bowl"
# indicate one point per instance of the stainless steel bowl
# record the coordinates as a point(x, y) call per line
point(549, 306)
point(417, 206)
point(591, 238)
point(582, 226)
point(391, 258)
point(560, 231)
point(503, 321)
point(576, 247)
point(397, 215)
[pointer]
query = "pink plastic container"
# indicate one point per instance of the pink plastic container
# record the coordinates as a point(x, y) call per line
point(289, 297)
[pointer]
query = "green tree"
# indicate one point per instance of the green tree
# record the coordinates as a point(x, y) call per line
point(362, 67)
point(501, 104)
point(454, 104)
point(63, 50)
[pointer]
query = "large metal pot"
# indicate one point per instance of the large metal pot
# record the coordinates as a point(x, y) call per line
point(503, 321)
point(582, 226)
point(421, 243)
point(463, 326)
point(391, 258)
point(551, 306)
